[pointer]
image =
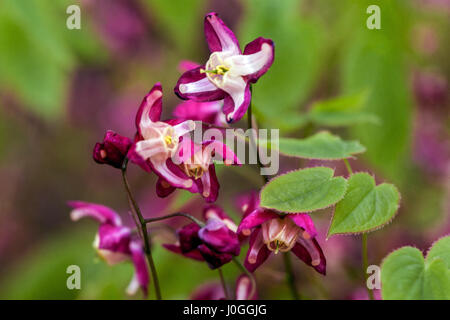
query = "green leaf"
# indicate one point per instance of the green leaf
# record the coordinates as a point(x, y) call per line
point(342, 111)
point(441, 249)
point(303, 190)
point(366, 207)
point(322, 145)
point(406, 275)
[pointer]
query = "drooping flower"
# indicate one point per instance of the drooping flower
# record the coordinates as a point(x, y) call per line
point(157, 141)
point(271, 232)
point(215, 243)
point(112, 150)
point(114, 242)
point(228, 73)
point(196, 162)
point(208, 112)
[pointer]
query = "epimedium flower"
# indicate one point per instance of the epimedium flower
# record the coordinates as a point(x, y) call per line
point(208, 112)
point(157, 141)
point(196, 162)
point(272, 232)
point(114, 242)
point(112, 150)
point(228, 73)
point(216, 242)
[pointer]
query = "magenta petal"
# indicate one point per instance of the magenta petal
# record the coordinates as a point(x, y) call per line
point(150, 108)
point(218, 36)
point(186, 65)
point(98, 212)
point(235, 113)
point(304, 221)
point(114, 238)
point(214, 184)
point(255, 219)
point(257, 251)
point(140, 265)
point(254, 47)
point(219, 237)
point(213, 259)
point(199, 111)
point(194, 254)
point(197, 87)
point(310, 252)
point(248, 203)
point(163, 188)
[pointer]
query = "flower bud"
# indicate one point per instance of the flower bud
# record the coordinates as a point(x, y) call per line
point(112, 150)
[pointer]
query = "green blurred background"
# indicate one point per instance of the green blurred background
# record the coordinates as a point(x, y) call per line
point(61, 89)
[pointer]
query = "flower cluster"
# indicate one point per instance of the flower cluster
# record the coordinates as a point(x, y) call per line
point(218, 93)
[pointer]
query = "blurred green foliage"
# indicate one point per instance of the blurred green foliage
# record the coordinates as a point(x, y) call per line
point(37, 54)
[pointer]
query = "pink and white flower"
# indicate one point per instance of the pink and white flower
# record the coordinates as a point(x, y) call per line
point(114, 242)
point(271, 232)
point(196, 162)
point(157, 141)
point(228, 72)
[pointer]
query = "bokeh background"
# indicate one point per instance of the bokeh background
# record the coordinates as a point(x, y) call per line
point(61, 89)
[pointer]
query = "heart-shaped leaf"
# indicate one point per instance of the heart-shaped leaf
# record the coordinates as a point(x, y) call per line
point(303, 190)
point(322, 145)
point(406, 275)
point(366, 207)
point(441, 249)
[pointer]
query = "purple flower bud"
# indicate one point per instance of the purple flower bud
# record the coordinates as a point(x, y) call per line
point(188, 237)
point(219, 237)
point(112, 150)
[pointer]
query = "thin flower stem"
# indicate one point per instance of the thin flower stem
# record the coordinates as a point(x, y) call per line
point(253, 138)
point(248, 274)
point(365, 263)
point(349, 168)
point(224, 286)
point(144, 231)
point(177, 214)
point(290, 278)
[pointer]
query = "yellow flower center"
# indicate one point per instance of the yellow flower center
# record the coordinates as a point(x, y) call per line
point(219, 70)
point(168, 140)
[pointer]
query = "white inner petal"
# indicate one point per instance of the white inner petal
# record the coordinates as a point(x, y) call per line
point(235, 87)
point(197, 86)
point(248, 64)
